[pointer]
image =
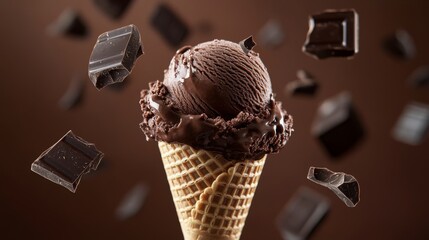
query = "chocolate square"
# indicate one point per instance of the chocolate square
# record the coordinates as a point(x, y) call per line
point(169, 25)
point(333, 33)
point(302, 214)
point(67, 160)
point(114, 56)
point(337, 125)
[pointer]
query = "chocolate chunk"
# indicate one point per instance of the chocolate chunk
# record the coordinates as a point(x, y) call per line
point(271, 34)
point(304, 85)
point(420, 77)
point(114, 56)
point(345, 186)
point(400, 44)
point(337, 125)
point(247, 44)
point(169, 25)
point(74, 94)
point(69, 23)
point(413, 124)
point(132, 202)
point(302, 214)
point(113, 8)
point(333, 33)
point(67, 160)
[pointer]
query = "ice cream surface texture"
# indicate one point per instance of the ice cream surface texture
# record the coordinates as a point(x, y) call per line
point(216, 97)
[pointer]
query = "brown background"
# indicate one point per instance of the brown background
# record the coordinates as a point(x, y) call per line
point(36, 70)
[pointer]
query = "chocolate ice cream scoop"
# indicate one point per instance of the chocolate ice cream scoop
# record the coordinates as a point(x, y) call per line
point(217, 97)
point(219, 79)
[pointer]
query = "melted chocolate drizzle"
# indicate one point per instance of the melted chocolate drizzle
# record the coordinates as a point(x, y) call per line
point(247, 139)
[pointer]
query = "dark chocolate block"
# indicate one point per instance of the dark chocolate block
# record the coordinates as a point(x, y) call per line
point(333, 33)
point(420, 77)
point(302, 214)
point(74, 94)
point(345, 186)
point(247, 44)
point(304, 85)
point(337, 125)
point(271, 34)
point(132, 202)
point(69, 23)
point(67, 160)
point(169, 25)
point(400, 44)
point(114, 56)
point(113, 8)
point(413, 124)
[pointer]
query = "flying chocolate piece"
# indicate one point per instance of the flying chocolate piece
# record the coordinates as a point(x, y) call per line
point(169, 25)
point(74, 94)
point(247, 44)
point(114, 56)
point(113, 8)
point(271, 34)
point(413, 124)
point(304, 85)
point(132, 202)
point(333, 33)
point(337, 125)
point(420, 77)
point(69, 23)
point(400, 44)
point(345, 186)
point(67, 160)
point(302, 214)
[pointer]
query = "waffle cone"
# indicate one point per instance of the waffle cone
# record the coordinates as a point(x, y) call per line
point(212, 195)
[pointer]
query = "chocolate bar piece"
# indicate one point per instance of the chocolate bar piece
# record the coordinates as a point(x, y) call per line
point(413, 124)
point(345, 186)
point(271, 34)
point(302, 214)
point(420, 77)
point(69, 23)
point(113, 8)
point(114, 56)
point(132, 202)
point(400, 44)
point(74, 94)
point(247, 44)
point(67, 160)
point(169, 25)
point(333, 33)
point(337, 125)
point(304, 85)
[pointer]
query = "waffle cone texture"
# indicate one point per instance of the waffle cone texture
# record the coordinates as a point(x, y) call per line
point(212, 195)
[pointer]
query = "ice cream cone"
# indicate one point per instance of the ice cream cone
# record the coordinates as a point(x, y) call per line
point(212, 195)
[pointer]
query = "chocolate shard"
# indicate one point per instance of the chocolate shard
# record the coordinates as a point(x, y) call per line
point(333, 33)
point(132, 202)
point(169, 25)
point(413, 124)
point(337, 125)
point(271, 34)
point(67, 160)
point(74, 94)
point(420, 77)
point(69, 23)
point(113, 8)
point(114, 56)
point(247, 44)
point(345, 186)
point(400, 44)
point(302, 214)
point(304, 85)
